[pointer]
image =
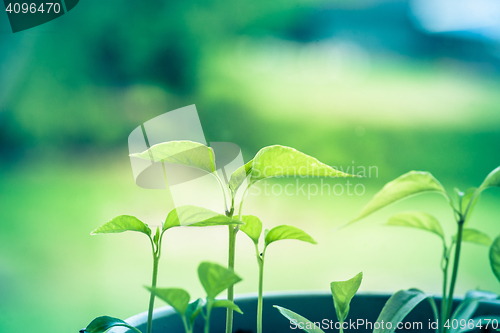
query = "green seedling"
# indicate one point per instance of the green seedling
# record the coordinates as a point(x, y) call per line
point(342, 292)
point(272, 161)
point(214, 279)
point(253, 229)
point(189, 215)
point(414, 183)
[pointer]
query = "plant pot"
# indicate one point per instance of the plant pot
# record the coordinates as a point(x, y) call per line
point(316, 306)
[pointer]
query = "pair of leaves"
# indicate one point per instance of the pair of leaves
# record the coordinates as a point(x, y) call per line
point(184, 215)
point(272, 161)
point(342, 292)
point(428, 222)
point(253, 229)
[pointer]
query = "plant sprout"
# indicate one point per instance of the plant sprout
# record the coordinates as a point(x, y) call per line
point(342, 292)
point(272, 161)
point(416, 182)
point(214, 279)
point(253, 229)
point(189, 215)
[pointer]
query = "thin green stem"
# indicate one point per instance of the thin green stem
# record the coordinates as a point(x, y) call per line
point(455, 267)
point(230, 265)
point(444, 303)
point(152, 297)
point(207, 317)
point(185, 323)
point(260, 261)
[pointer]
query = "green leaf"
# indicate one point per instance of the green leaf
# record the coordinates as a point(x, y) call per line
point(239, 176)
point(287, 232)
point(398, 307)
point(195, 216)
point(281, 161)
point(468, 306)
point(343, 292)
point(407, 185)
point(466, 198)
point(215, 279)
point(252, 227)
point(299, 321)
point(175, 297)
point(123, 223)
point(475, 236)
point(194, 309)
point(104, 323)
point(224, 303)
point(495, 257)
point(187, 153)
point(420, 220)
point(493, 179)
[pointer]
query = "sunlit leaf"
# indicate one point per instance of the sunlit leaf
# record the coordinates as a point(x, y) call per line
point(123, 223)
point(187, 153)
point(224, 303)
point(195, 216)
point(467, 196)
point(493, 179)
point(287, 232)
point(239, 176)
point(299, 321)
point(397, 308)
point(407, 185)
point(215, 279)
point(475, 236)
point(495, 257)
point(420, 220)
point(104, 323)
point(252, 227)
point(281, 161)
point(175, 297)
point(343, 292)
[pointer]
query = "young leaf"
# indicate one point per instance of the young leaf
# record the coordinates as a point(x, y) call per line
point(187, 153)
point(495, 257)
point(475, 236)
point(287, 232)
point(397, 307)
point(194, 309)
point(123, 223)
point(467, 196)
point(195, 216)
point(299, 321)
point(175, 297)
point(420, 220)
point(215, 279)
point(252, 227)
point(224, 303)
point(239, 176)
point(104, 323)
point(407, 185)
point(468, 306)
point(281, 161)
point(343, 292)
point(493, 179)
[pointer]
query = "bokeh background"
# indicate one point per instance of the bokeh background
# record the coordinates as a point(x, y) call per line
point(401, 85)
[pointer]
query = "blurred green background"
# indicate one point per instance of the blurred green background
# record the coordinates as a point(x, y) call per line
point(348, 82)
